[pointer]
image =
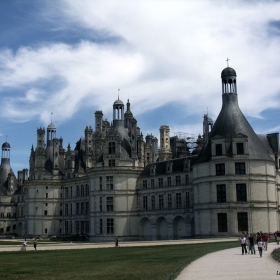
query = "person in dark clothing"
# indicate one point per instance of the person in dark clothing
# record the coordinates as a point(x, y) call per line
point(252, 244)
point(116, 242)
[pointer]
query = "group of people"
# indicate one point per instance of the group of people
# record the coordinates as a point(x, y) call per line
point(248, 242)
point(24, 244)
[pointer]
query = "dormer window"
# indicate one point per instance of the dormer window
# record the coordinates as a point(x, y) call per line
point(219, 149)
point(240, 148)
point(112, 148)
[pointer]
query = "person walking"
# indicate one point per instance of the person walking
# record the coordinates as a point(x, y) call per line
point(265, 241)
point(24, 245)
point(116, 242)
point(242, 240)
point(35, 244)
point(252, 244)
point(260, 247)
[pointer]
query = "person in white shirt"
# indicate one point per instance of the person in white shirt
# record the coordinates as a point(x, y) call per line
point(260, 247)
point(242, 240)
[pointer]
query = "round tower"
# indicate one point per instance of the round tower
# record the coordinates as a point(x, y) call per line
point(51, 132)
point(118, 113)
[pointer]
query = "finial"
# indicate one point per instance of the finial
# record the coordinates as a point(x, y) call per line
point(227, 60)
point(51, 116)
point(118, 93)
point(6, 138)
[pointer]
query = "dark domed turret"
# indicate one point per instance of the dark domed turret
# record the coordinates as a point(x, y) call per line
point(228, 72)
point(6, 145)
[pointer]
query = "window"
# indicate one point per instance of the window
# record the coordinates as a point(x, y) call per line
point(219, 150)
point(47, 195)
point(221, 193)
point(87, 226)
point(187, 179)
point(145, 203)
point(100, 226)
point(222, 222)
point(66, 192)
point(77, 227)
point(160, 202)
point(71, 192)
point(152, 183)
point(240, 168)
point(46, 204)
point(66, 209)
point(110, 203)
point(46, 230)
point(169, 201)
point(112, 162)
point(241, 192)
point(220, 169)
point(240, 148)
point(82, 191)
point(47, 187)
point(87, 208)
point(168, 181)
point(144, 184)
point(46, 212)
point(112, 148)
point(153, 202)
point(9, 215)
point(100, 183)
point(187, 199)
point(242, 221)
point(178, 180)
point(100, 204)
point(87, 190)
point(178, 200)
point(82, 208)
point(77, 191)
point(109, 183)
point(160, 182)
point(77, 208)
point(82, 227)
point(110, 226)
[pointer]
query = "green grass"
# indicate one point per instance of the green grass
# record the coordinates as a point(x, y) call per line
point(276, 254)
point(155, 262)
point(10, 242)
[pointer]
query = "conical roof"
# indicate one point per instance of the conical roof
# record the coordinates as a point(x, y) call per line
point(230, 123)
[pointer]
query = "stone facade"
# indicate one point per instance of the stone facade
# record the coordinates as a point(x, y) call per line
point(115, 183)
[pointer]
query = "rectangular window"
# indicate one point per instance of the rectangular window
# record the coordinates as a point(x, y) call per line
point(109, 183)
point(187, 199)
point(168, 181)
point(144, 184)
point(66, 225)
point(47, 195)
point(110, 226)
point(153, 202)
point(87, 208)
point(187, 179)
point(82, 208)
point(112, 163)
point(66, 209)
point(100, 204)
point(46, 230)
point(169, 201)
point(178, 200)
point(82, 227)
point(100, 183)
point(77, 227)
point(87, 226)
point(240, 168)
point(100, 226)
point(66, 192)
point(46, 212)
point(87, 190)
point(152, 183)
point(242, 221)
point(110, 203)
point(160, 202)
point(240, 148)
point(160, 182)
point(219, 150)
point(77, 191)
point(145, 203)
point(222, 222)
point(77, 208)
point(221, 193)
point(82, 191)
point(71, 192)
point(220, 169)
point(112, 148)
point(71, 209)
point(178, 180)
point(241, 192)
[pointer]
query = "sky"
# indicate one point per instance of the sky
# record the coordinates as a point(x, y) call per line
point(70, 58)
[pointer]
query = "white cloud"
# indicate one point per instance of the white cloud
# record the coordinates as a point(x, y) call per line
point(170, 50)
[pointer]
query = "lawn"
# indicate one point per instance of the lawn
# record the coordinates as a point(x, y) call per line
point(276, 254)
point(155, 262)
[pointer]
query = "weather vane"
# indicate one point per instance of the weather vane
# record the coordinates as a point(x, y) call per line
point(118, 93)
point(51, 116)
point(227, 60)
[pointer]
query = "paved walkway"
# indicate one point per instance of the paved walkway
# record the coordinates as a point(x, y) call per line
point(230, 264)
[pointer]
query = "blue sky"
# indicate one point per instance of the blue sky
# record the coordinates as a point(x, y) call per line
point(71, 57)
